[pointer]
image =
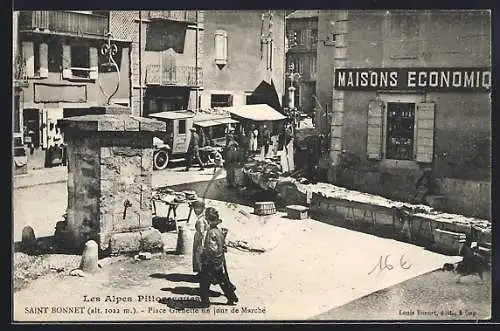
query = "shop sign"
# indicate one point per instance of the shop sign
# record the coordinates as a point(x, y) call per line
point(434, 79)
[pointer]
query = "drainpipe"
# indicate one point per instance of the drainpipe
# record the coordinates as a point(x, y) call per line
point(141, 112)
point(284, 61)
point(196, 61)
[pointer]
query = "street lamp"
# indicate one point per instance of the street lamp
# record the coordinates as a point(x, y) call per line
point(110, 50)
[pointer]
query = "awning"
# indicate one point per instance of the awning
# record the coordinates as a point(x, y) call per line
point(172, 115)
point(219, 121)
point(260, 112)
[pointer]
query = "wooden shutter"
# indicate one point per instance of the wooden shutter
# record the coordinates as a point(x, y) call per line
point(66, 62)
point(93, 59)
point(230, 100)
point(29, 60)
point(425, 132)
point(375, 130)
point(44, 60)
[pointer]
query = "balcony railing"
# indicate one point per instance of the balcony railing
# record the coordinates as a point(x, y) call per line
point(174, 15)
point(176, 75)
point(58, 21)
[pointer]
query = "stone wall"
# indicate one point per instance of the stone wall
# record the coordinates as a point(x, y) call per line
point(125, 176)
point(83, 188)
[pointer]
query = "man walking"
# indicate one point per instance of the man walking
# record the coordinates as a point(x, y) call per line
point(194, 150)
point(214, 268)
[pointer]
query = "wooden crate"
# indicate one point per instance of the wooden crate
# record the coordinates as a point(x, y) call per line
point(264, 208)
point(297, 212)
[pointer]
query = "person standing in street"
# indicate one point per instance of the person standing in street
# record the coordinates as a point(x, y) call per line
point(194, 150)
point(232, 159)
point(201, 227)
point(214, 267)
point(266, 140)
point(254, 135)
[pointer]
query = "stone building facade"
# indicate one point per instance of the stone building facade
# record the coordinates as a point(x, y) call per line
point(410, 94)
point(241, 49)
point(185, 59)
point(57, 53)
point(302, 36)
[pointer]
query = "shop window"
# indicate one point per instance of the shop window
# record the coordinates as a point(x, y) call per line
point(221, 47)
point(407, 134)
point(182, 126)
point(400, 130)
point(221, 100)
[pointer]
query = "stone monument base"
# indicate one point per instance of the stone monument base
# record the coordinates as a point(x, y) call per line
point(144, 240)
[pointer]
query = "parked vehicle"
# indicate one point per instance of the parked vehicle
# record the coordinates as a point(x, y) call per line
point(174, 143)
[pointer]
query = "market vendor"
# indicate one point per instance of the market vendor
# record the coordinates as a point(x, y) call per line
point(232, 157)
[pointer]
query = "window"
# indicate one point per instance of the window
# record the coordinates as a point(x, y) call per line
point(400, 130)
point(221, 100)
point(54, 54)
point(221, 47)
point(314, 38)
point(80, 61)
point(182, 126)
point(36, 58)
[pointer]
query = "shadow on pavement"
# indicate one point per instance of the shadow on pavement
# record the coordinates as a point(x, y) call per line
point(41, 246)
point(184, 290)
point(176, 277)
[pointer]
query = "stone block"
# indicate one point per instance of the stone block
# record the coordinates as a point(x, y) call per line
point(131, 124)
point(90, 257)
point(106, 152)
point(336, 131)
point(126, 151)
point(126, 242)
point(151, 240)
point(111, 124)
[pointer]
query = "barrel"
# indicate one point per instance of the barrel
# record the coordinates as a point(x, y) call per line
point(264, 208)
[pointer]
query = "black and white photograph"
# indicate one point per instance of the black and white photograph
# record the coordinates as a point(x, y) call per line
point(251, 165)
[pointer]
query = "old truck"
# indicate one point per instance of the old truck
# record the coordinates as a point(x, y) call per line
point(174, 143)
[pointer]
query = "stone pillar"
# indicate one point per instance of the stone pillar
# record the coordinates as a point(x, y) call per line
point(337, 112)
point(109, 180)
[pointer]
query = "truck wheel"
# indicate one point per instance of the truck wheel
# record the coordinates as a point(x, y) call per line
point(207, 158)
point(160, 160)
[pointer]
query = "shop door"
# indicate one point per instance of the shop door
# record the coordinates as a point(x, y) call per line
point(31, 120)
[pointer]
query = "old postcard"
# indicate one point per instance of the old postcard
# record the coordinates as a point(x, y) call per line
point(203, 165)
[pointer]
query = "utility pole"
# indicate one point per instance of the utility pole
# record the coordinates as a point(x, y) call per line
point(291, 110)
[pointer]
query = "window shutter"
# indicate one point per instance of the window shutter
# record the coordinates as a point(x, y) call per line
point(66, 62)
point(93, 59)
point(425, 132)
point(44, 60)
point(230, 100)
point(220, 47)
point(28, 56)
point(375, 127)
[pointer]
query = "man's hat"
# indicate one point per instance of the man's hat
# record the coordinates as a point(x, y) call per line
point(192, 129)
point(212, 215)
